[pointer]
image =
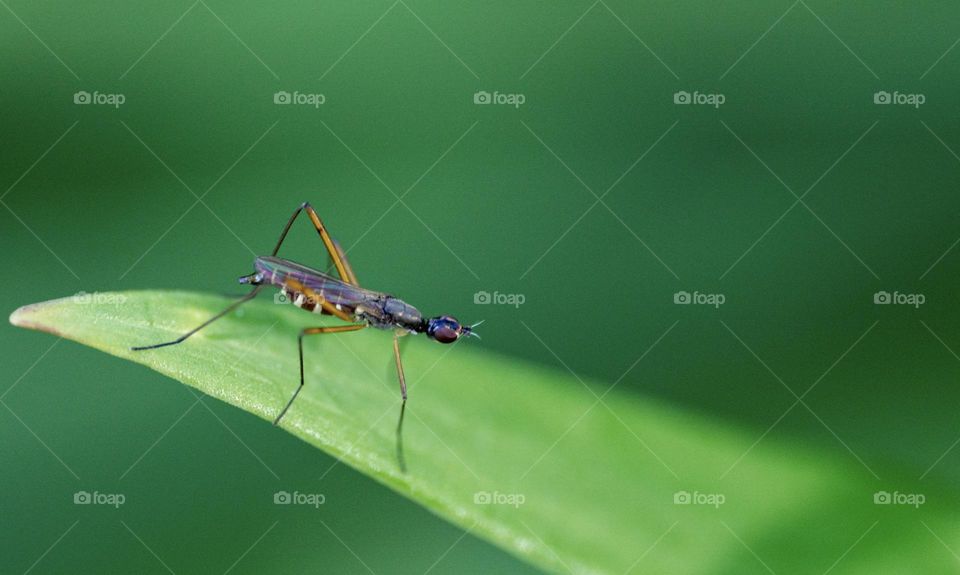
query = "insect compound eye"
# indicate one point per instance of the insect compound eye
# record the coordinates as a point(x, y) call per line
point(444, 329)
point(445, 334)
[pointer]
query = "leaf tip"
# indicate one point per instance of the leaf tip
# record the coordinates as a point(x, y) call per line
point(18, 316)
point(24, 317)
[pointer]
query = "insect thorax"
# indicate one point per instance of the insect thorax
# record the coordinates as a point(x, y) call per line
point(388, 312)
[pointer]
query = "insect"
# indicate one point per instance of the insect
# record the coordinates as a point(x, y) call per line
point(342, 297)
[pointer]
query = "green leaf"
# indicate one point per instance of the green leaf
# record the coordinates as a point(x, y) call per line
point(575, 484)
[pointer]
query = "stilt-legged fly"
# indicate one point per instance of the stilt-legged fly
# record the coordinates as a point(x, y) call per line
point(342, 297)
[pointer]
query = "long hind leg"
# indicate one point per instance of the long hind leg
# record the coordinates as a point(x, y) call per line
point(230, 308)
point(336, 254)
point(351, 277)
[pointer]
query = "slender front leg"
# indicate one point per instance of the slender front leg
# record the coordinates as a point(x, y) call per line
point(229, 309)
point(401, 460)
point(324, 235)
point(313, 331)
point(396, 355)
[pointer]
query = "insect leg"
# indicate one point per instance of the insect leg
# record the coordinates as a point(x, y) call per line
point(396, 355)
point(229, 309)
point(313, 331)
point(324, 235)
point(346, 264)
point(401, 460)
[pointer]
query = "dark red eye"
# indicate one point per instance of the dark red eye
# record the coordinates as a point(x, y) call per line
point(444, 329)
point(445, 335)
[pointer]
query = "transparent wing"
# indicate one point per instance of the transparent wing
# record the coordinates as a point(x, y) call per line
point(330, 288)
point(337, 292)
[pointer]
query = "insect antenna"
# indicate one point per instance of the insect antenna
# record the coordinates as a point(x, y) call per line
point(473, 333)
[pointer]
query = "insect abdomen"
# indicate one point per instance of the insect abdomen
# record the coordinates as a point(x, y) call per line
point(307, 303)
point(301, 301)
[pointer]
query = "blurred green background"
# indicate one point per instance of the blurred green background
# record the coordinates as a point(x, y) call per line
point(496, 198)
